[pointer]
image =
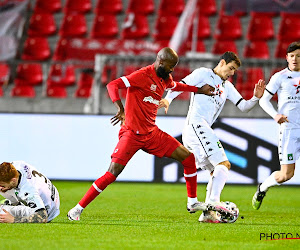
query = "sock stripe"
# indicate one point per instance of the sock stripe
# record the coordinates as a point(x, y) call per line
point(98, 189)
point(190, 175)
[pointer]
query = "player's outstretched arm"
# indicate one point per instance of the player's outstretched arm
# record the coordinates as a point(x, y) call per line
point(40, 216)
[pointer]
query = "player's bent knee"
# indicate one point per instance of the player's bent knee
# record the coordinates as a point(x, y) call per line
point(116, 168)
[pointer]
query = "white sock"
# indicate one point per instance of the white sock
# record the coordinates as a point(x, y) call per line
point(208, 189)
point(218, 182)
point(192, 200)
point(79, 207)
point(269, 182)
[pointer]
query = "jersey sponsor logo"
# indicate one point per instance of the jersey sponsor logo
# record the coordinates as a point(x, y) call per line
point(290, 157)
point(218, 90)
point(151, 100)
point(153, 87)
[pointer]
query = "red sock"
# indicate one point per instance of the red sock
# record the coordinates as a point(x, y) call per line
point(98, 186)
point(190, 175)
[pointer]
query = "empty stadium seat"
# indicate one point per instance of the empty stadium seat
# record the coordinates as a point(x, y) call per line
point(109, 73)
point(171, 7)
point(200, 46)
point(207, 7)
point(4, 73)
point(73, 25)
point(83, 92)
point(281, 48)
point(109, 7)
point(105, 26)
point(36, 48)
point(257, 49)
point(144, 7)
point(289, 28)
point(135, 27)
point(61, 49)
point(260, 27)
point(228, 28)
point(48, 6)
point(254, 74)
point(221, 46)
point(23, 91)
point(56, 92)
point(86, 78)
point(80, 6)
point(61, 75)
point(203, 31)
point(164, 27)
point(41, 24)
point(29, 74)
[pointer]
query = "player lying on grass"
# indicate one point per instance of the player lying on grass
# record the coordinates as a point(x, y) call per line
point(198, 136)
point(30, 196)
point(286, 83)
point(145, 88)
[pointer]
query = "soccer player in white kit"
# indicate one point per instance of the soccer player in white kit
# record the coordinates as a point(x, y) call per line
point(30, 196)
point(198, 136)
point(286, 83)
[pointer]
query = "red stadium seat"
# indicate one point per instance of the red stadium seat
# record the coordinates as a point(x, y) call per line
point(23, 91)
point(135, 27)
point(29, 74)
point(86, 78)
point(164, 27)
point(207, 7)
point(254, 74)
point(83, 92)
point(281, 48)
point(285, 32)
point(109, 7)
point(60, 50)
point(260, 27)
point(144, 7)
point(73, 25)
point(171, 7)
point(203, 28)
point(220, 47)
point(61, 75)
point(200, 47)
point(79, 6)
point(42, 24)
point(257, 49)
point(109, 73)
point(228, 28)
point(48, 6)
point(36, 48)
point(105, 26)
point(4, 74)
point(56, 92)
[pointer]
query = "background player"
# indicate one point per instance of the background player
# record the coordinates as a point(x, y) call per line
point(145, 88)
point(286, 83)
point(198, 135)
point(30, 196)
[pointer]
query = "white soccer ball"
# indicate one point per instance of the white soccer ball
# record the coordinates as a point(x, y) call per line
point(234, 209)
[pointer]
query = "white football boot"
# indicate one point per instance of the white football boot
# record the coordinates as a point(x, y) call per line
point(74, 214)
point(197, 206)
point(210, 217)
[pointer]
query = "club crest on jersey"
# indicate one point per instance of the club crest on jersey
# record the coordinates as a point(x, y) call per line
point(290, 157)
point(151, 100)
point(153, 87)
point(297, 87)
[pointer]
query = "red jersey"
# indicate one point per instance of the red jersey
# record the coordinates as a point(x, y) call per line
point(145, 90)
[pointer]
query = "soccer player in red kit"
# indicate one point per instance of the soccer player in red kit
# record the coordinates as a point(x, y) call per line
point(145, 88)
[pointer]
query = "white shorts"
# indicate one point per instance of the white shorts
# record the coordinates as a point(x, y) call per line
point(202, 141)
point(289, 145)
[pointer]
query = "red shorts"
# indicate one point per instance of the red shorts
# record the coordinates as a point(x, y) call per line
point(157, 143)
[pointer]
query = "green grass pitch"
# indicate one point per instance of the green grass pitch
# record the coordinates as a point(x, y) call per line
point(154, 216)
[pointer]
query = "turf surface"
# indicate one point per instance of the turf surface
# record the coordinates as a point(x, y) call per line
point(154, 216)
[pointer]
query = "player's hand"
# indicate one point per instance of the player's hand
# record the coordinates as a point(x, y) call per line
point(119, 117)
point(163, 103)
point(6, 217)
point(259, 88)
point(279, 118)
point(206, 90)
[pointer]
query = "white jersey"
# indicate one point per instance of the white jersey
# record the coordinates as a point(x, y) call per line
point(287, 85)
point(34, 190)
point(209, 107)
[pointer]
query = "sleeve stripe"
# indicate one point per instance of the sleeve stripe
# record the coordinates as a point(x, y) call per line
point(126, 82)
point(270, 92)
point(239, 101)
point(183, 81)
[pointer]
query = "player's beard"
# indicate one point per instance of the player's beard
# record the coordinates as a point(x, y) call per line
point(161, 72)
